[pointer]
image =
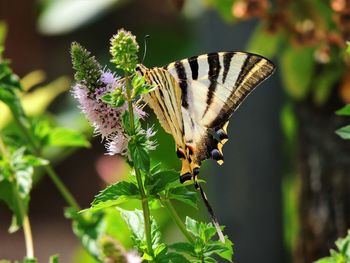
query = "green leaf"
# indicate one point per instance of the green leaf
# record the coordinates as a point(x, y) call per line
point(226, 253)
point(114, 195)
point(15, 184)
point(260, 36)
point(193, 226)
point(183, 247)
point(135, 221)
point(9, 195)
point(139, 154)
point(344, 132)
point(159, 181)
point(35, 161)
point(65, 137)
point(204, 245)
point(183, 195)
point(297, 67)
point(88, 227)
point(345, 111)
point(54, 259)
point(115, 99)
point(140, 86)
point(172, 258)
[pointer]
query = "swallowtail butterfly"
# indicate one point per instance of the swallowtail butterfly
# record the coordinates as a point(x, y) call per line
point(194, 99)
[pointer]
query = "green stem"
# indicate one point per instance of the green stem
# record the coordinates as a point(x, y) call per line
point(50, 171)
point(174, 215)
point(144, 199)
point(28, 237)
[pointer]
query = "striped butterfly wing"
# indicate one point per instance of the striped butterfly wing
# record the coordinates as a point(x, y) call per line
point(212, 88)
point(165, 101)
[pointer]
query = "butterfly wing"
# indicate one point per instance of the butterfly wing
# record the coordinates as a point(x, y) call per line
point(165, 100)
point(212, 88)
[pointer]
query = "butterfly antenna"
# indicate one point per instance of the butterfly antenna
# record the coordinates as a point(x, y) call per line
point(211, 212)
point(145, 50)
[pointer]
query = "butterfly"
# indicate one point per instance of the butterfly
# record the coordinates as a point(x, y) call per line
point(194, 99)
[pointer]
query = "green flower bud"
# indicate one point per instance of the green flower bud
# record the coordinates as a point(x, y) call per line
point(124, 50)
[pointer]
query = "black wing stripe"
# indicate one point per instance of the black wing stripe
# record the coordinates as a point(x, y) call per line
point(247, 66)
point(181, 74)
point(227, 62)
point(242, 88)
point(213, 74)
point(193, 61)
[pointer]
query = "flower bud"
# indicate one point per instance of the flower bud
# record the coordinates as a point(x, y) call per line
point(124, 50)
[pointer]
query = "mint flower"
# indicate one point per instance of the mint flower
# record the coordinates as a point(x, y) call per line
point(95, 84)
point(105, 119)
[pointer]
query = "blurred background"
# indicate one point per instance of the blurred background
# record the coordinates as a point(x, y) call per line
point(283, 192)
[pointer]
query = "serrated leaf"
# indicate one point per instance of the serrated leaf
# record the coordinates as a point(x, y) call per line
point(135, 221)
point(183, 195)
point(297, 67)
point(344, 132)
point(345, 111)
point(65, 137)
point(139, 155)
point(193, 226)
point(114, 195)
point(159, 181)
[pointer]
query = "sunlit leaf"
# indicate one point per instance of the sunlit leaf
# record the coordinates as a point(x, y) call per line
point(345, 111)
point(344, 132)
point(66, 137)
point(115, 194)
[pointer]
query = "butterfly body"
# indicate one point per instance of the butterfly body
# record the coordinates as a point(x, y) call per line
point(195, 97)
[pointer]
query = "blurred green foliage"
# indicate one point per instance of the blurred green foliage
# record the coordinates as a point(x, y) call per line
point(341, 254)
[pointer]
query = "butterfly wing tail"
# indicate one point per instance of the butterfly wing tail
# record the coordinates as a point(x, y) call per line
point(211, 212)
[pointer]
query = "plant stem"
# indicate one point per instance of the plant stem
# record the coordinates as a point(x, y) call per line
point(144, 199)
point(67, 195)
point(174, 215)
point(50, 171)
point(26, 223)
point(28, 237)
